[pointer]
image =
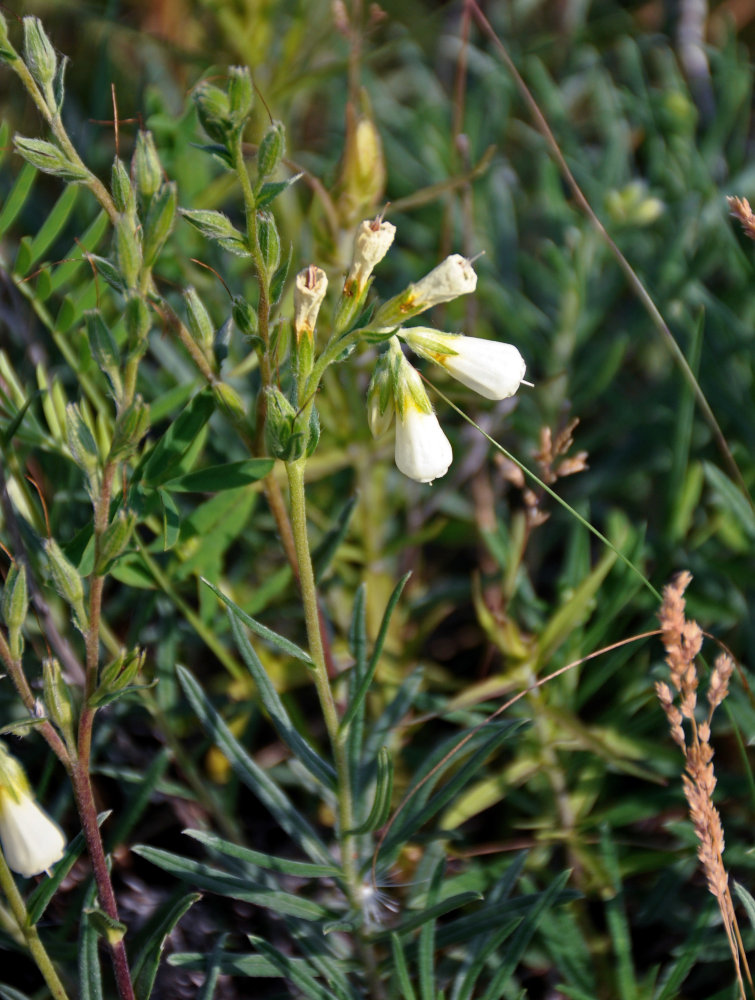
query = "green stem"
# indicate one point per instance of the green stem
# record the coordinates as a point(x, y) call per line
point(29, 932)
point(338, 740)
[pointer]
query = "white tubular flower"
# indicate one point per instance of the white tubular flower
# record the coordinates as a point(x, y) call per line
point(423, 452)
point(31, 842)
point(492, 369)
point(452, 277)
point(372, 243)
point(310, 287)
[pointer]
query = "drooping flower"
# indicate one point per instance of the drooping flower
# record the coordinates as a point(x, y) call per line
point(31, 842)
point(489, 367)
point(423, 452)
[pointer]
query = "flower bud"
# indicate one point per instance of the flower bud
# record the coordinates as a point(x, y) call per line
point(114, 539)
point(146, 166)
point(240, 93)
point(271, 150)
point(80, 441)
point(229, 402)
point(120, 672)
point(159, 222)
point(123, 192)
point(310, 287)
point(214, 111)
point(380, 405)
point(67, 582)
point(128, 250)
point(200, 324)
point(285, 435)
point(270, 242)
point(15, 604)
point(245, 319)
point(362, 180)
point(492, 369)
point(39, 54)
point(138, 323)
point(57, 698)
point(31, 842)
point(130, 427)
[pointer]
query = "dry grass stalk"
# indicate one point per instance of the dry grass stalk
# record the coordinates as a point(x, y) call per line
point(683, 640)
point(740, 209)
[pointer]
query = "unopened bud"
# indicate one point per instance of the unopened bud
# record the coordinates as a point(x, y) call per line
point(67, 582)
point(57, 698)
point(310, 287)
point(80, 440)
point(123, 192)
point(146, 166)
point(214, 110)
point(200, 324)
point(245, 318)
point(372, 242)
point(128, 250)
point(270, 243)
point(130, 427)
point(363, 174)
point(240, 93)
point(138, 322)
point(380, 405)
point(271, 150)
point(453, 277)
point(15, 604)
point(159, 222)
point(286, 437)
point(114, 539)
point(39, 54)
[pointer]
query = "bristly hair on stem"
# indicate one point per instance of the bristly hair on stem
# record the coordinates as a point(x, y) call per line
point(690, 730)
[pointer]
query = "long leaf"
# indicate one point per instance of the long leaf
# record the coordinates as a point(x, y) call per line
point(146, 963)
point(364, 686)
point(381, 805)
point(285, 645)
point(317, 767)
point(299, 973)
point(252, 775)
point(224, 884)
point(90, 974)
point(216, 478)
point(285, 866)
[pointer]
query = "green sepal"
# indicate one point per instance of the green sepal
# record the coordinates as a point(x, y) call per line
point(271, 150)
point(15, 604)
point(161, 216)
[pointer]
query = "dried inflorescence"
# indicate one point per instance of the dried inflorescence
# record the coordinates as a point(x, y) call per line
point(740, 209)
point(682, 640)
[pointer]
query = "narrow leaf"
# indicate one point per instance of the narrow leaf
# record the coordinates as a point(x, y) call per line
point(296, 743)
point(216, 478)
point(159, 927)
point(301, 869)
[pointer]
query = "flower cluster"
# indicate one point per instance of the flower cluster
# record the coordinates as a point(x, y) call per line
point(490, 368)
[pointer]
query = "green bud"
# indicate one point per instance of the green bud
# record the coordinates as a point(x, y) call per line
point(159, 222)
point(128, 251)
point(270, 243)
point(130, 427)
point(118, 674)
point(48, 158)
point(271, 150)
point(39, 54)
point(230, 402)
point(15, 604)
point(214, 111)
point(123, 192)
point(138, 322)
point(105, 350)
point(240, 93)
point(286, 438)
point(7, 52)
point(114, 539)
point(146, 166)
point(245, 319)
point(380, 405)
point(313, 438)
point(200, 324)
point(81, 442)
point(57, 698)
point(67, 582)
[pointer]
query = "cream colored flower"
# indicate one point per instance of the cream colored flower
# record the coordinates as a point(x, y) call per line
point(372, 243)
point(423, 452)
point(493, 369)
point(31, 842)
point(452, 277)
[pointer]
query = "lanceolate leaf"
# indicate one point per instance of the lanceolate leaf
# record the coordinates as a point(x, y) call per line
point(214, 880)
point(217, 478)
point(155, 934)
point(285, 645)
point(301, 869)
point(260, 783)
point(316, 766)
